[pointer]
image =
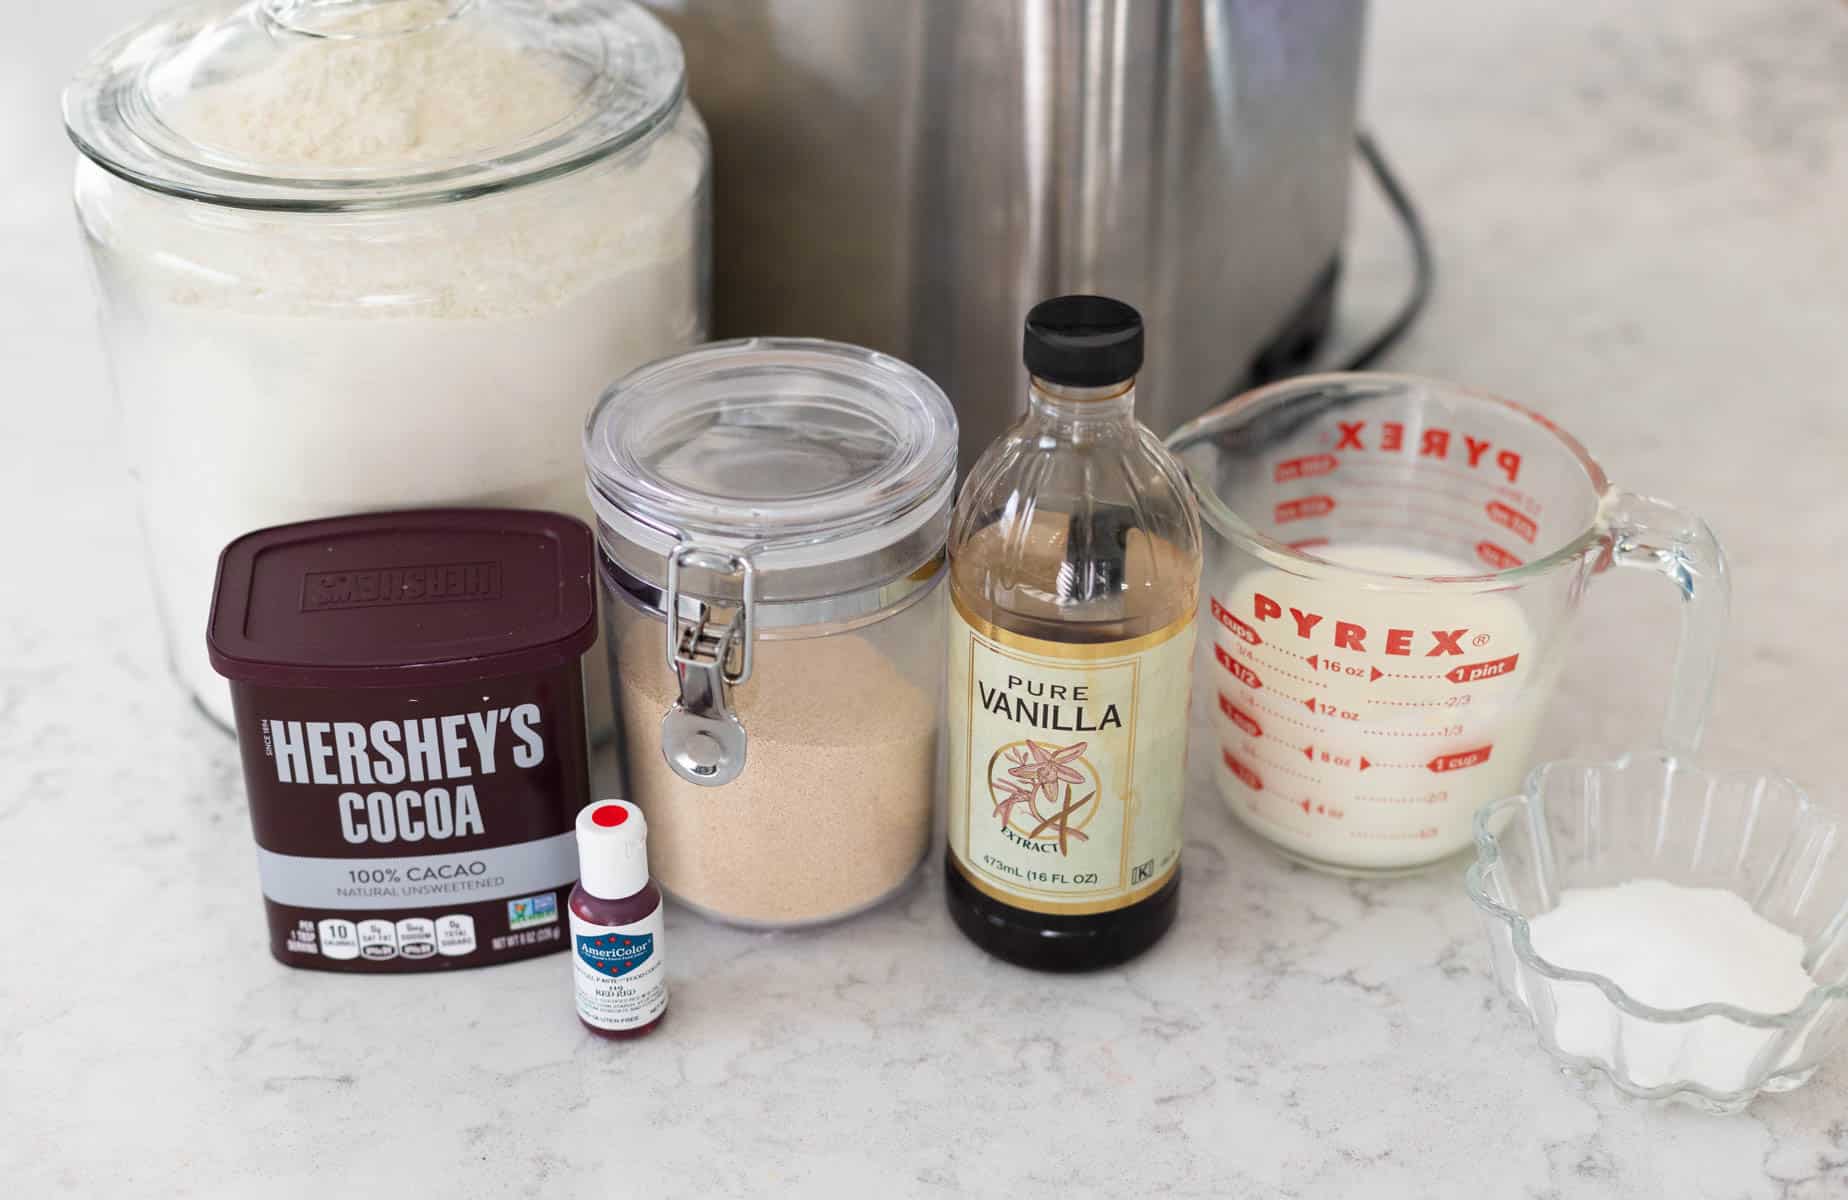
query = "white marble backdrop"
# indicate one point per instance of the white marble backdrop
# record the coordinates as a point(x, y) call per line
point(1641, 215)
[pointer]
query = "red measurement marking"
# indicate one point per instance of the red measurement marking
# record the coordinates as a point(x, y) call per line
point(1456, 762)
point(1298, 678)
point(1315, 661)
point(1306, 467)
point(1239, 716)
point(1240, 630)
point(1336, 760)
point(1246, 775)
point(1471, 672)
point(1303, 508)
point(1308, 543)
point(1408, 530)
point(1402, 487)
point(1414, 517)
point(1519, 524)
point(1463, 519)
point(1432, 468)
point(1298, 721)
point(1412, 703)
point(1495, 556)
point(1239, 670)
point(1284, 767)
point(1324, 709)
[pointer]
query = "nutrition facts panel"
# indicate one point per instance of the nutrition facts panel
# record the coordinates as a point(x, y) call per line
point(377, 939)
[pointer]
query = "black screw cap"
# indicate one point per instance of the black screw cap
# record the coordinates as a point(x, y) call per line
point(1083, 341)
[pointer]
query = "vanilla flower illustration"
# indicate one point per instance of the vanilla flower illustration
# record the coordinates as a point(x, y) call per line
point(1048, 767)
point(1015, 794)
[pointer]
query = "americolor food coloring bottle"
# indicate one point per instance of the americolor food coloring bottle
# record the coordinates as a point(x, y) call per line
point(616, 925)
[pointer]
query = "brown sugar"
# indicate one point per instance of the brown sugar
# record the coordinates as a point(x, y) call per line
point(833, 809)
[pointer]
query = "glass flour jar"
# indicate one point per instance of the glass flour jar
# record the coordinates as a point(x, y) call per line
point(771, 516)
point(377, 254)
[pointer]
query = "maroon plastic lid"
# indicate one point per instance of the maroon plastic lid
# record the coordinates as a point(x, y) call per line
point(404, 599)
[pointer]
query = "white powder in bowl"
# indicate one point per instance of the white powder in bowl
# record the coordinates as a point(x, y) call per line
point(1671, 947)
point(277, 366)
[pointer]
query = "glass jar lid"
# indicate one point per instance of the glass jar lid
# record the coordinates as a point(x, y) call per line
point(830, 467)
point(766, 482)
point(358, 104)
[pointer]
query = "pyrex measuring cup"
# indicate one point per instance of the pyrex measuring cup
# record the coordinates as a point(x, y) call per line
point(1392, 573)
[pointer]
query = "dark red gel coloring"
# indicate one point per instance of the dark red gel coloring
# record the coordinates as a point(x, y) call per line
point(625, 911)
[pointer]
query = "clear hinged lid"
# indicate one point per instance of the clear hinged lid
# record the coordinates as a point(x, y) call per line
point(774, 482)
point(355, 104)
point(828, 467)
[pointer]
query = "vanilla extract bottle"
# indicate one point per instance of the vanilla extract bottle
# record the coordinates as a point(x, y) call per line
point(1074, 571)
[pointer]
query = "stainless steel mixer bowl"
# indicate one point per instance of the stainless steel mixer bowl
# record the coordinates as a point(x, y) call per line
point(912, 175)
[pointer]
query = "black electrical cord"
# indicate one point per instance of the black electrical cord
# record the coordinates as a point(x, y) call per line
point(1424, 268)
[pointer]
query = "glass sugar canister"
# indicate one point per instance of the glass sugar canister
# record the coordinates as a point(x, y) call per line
point(357, 255)
point(771, 515)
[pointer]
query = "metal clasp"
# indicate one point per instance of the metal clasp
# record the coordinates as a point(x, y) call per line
point(701, 738)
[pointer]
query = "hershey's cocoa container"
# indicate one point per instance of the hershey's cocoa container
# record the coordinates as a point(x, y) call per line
point(410, 706)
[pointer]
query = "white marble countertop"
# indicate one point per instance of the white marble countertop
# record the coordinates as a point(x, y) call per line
point(1640, 222)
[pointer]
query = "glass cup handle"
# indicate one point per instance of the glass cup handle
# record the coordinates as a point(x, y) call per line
point(1656, 536)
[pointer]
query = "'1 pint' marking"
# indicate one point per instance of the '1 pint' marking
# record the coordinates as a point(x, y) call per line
point(1471, 672)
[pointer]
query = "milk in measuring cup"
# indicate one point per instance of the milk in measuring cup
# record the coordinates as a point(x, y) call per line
point(1363, 728)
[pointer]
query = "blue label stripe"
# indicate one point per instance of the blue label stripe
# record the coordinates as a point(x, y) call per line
point(615, 954)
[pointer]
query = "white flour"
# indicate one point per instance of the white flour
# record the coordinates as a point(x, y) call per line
point(355, 100)
point(1670, 947)
point(280, 366)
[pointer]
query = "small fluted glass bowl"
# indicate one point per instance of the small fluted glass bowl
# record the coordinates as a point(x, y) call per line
point(1582, 825)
